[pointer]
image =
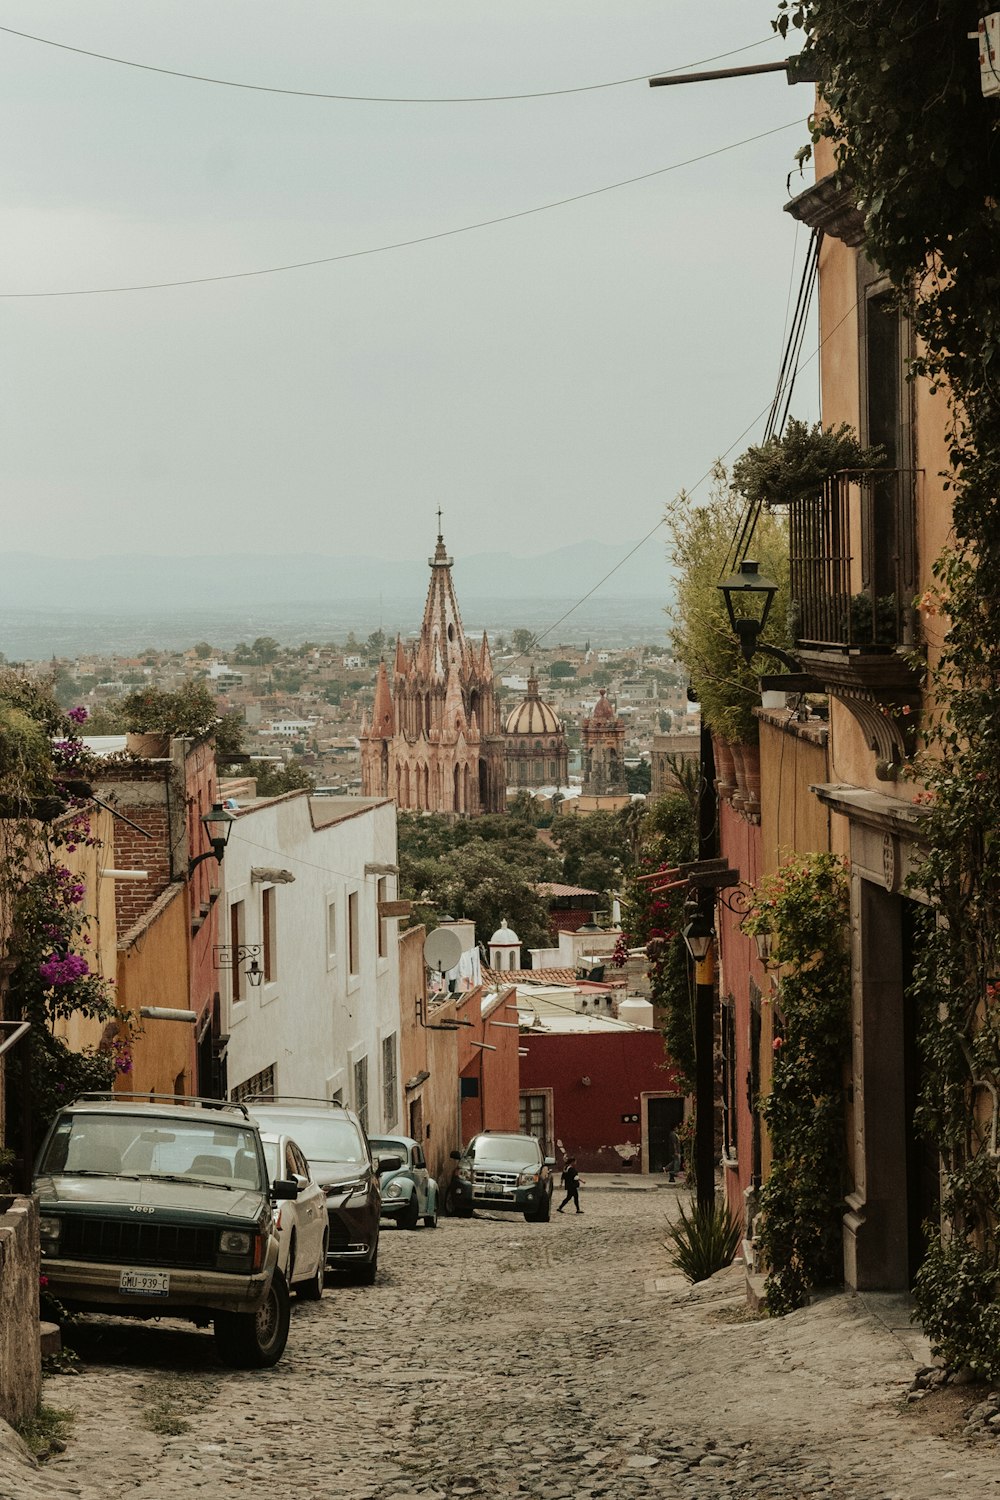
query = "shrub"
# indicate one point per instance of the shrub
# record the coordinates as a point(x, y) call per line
point(704, 1241)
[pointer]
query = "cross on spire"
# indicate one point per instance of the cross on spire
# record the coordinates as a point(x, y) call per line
point(439, 523)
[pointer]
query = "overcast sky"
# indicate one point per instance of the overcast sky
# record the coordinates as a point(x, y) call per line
point(558, 376)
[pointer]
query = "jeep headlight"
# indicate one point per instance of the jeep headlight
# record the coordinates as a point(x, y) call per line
point(234, 1242)
point(394, 1190)
point(527, 1178)
point(49, 1230)
point(464, 1170)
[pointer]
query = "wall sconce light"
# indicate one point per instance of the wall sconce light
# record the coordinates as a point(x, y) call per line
point(234, 956)
point(763, 941)
point(218, 825)
point(585, 1082)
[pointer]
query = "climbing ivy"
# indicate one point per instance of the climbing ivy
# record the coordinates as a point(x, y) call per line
point(805, 909)
point(914, 136)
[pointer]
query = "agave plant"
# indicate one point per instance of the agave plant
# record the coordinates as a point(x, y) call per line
point(704, 1241)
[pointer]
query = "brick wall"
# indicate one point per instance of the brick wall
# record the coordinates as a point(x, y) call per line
point(20, 1354)
point(133, 898)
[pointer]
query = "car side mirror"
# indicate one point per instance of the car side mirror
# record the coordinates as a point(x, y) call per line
point(550, 1161)
point(455, 1155)
point(301, 1182)
point(390, 1163)
point(283, 1188)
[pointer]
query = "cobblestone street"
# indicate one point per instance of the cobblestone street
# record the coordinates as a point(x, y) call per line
point(495, 1357)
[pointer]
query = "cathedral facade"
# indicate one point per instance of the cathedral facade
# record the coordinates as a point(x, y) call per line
point(434, 742)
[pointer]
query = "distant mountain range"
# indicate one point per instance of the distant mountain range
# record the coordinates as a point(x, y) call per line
point(123, 603)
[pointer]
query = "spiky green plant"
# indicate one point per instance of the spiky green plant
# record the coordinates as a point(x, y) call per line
point(704, 1241)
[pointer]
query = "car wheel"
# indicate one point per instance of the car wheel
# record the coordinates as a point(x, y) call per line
point(410, 1216)
point(255, 1341)
point(312, 1290)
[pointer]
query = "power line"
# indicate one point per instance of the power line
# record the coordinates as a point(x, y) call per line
point(263, 88)
point(423, 239)
point(707, 475)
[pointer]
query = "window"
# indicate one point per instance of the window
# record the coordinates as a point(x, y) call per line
point(268, 917)
point(381, 889)
point(361, 1091)
point(331, 934)
point(534, 1119)
point(237, 937)
point(353, 935)
point(390, 1082)
point(258, 1086)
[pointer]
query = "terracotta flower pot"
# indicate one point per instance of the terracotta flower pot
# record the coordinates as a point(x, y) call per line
point(725, 769)
point(739, 796)
point(751, 772)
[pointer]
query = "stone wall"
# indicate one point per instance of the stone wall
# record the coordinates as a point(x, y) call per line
point(20, 1357)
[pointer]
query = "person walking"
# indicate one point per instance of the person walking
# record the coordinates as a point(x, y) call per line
point(571, 1182)
point(676, 1156)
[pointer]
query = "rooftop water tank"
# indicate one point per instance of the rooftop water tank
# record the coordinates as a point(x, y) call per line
point(636, 1011)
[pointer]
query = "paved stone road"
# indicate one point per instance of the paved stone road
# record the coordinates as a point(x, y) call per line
point(495, 1357)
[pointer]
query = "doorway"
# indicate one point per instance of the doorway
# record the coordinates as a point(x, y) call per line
point(664, 1113)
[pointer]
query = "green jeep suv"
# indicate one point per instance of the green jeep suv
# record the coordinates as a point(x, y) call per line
point(162, 1208)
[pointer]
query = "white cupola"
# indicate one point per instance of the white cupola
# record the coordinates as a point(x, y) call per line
point(505, 948)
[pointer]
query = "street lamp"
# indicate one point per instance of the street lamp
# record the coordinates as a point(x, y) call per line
point(749, 595)
point(233, 956)
point(218, 825)
point(699, 936)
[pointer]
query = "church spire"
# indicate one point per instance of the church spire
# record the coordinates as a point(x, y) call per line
point(383, 719)
point(441, 630)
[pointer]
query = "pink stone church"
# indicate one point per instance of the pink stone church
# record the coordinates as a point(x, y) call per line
point(435, 742)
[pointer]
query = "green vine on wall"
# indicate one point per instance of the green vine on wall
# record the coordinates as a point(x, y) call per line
point(805, 909)
point(919, 144)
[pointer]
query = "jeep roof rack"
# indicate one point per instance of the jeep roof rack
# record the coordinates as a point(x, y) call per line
point(292, 1099)
point(109, 1096)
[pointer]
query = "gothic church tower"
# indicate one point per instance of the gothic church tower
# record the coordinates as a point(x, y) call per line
point(434, 742)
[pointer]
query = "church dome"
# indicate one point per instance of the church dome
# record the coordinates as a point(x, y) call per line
point(532, 715)
point(504, 937)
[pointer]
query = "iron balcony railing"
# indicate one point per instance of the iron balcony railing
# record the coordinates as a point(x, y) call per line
point(853, 563)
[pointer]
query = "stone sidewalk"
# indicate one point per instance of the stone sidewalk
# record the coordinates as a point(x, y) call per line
point(498, 1358)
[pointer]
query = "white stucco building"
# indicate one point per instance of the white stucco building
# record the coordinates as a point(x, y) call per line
point(324, 1022)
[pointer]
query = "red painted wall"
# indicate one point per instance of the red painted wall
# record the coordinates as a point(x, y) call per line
point(495, 1066)
point(587, 1118)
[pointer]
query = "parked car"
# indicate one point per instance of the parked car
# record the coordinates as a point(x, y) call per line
point(409, 1193)
point(338, 1152)
point(301, 1222)
point(506, 1172)
point(162, 1208)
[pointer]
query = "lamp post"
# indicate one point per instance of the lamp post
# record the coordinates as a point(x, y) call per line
point(218, 824)
point(699, 937)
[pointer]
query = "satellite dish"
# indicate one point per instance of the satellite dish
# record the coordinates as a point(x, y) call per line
point(442, 949)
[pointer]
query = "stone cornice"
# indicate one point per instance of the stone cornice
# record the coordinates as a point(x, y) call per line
point(831, 207)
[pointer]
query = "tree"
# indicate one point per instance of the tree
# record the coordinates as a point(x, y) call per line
point(639, 778)
point(273, 781)
point(264, 650)
point(524, 641)
point(479, 882)
point(562, 669)
point(376, 642)
point(202, 650)
point(700, 540)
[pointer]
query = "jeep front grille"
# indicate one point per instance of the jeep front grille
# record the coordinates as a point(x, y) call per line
point(140, 1243)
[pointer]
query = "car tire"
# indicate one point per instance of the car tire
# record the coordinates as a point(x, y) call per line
point(431, 1220)
point(463, 1210)
point(410, 1217)
point(312, 1290)
point(255, 1341)
point(366, 1274)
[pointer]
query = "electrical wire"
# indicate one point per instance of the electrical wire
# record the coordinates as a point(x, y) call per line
point(694, 488)
point(263, 88)
point(422, 239)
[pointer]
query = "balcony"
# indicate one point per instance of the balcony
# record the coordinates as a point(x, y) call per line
point(853, 577)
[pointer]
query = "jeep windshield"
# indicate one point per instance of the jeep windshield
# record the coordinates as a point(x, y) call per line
point(512, 1148)
point(125, 1145)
